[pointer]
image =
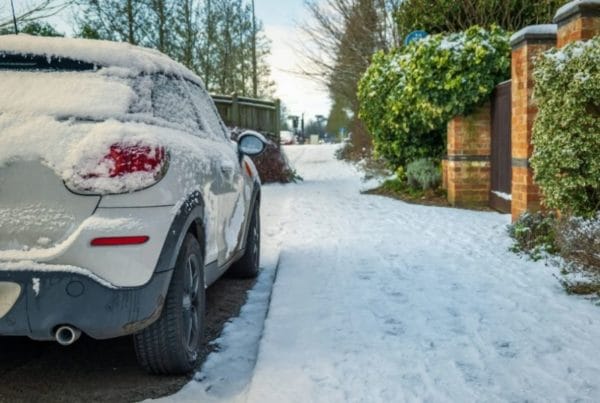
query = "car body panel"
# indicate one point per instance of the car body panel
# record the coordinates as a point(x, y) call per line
point(36, 209)
point(122, 266)
point(204, 187)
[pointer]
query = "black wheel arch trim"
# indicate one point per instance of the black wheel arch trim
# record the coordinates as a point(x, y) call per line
point(189, 217)
point(253, 204)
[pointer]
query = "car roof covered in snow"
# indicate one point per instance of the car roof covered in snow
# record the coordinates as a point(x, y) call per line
point(136, 59)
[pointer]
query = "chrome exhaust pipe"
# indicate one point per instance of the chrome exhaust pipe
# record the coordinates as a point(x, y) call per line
point(66, 335)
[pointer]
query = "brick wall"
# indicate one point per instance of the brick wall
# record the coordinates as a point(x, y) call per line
point(578, 20)
point(467, 170)
point(468, 166)
point(527, 44)
point(445, 174)
point(577, 30)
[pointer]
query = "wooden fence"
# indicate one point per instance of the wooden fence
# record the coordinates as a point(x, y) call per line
point(248, 113)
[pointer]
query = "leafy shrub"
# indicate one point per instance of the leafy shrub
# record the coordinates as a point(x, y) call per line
point(575, 239)
point(566, 133)
point(423, 173)
point(407, 96)
point(401, 174)
point(534, 234)
point(579, 241)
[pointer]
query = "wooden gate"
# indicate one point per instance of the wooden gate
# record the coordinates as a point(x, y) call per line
point(500, 198)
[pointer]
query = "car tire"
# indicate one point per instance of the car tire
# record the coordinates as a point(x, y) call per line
point(171, 345)
point(249, 264)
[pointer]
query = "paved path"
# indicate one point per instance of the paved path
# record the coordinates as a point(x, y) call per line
point(382, 301)
point(377, 300)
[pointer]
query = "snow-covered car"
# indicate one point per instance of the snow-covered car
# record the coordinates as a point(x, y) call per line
point(122, 197)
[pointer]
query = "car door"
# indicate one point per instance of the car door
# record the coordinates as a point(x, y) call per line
point(229, 187)
point(172, 102)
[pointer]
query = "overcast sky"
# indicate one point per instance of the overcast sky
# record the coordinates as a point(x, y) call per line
point(280, 19)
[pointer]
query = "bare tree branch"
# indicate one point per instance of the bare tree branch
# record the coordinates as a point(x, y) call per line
point(34, 11)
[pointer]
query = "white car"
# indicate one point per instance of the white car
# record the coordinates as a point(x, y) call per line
point(122, 197)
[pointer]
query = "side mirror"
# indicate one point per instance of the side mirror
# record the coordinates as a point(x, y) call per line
point(251, 143)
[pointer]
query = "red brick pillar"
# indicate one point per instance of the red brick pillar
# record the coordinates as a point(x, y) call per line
point(468, 166)
point(445, 174)
point(577, 20)
point(526, 44)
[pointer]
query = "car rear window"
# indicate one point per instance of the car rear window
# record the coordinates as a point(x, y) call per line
point(65, 94)
point(171, 103)
point(67, 88)
point(38, 62)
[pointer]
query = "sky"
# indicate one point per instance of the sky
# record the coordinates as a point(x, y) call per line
point(298, 93)
point(280, 19)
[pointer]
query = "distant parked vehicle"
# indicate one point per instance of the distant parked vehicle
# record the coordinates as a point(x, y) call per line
point(122, 197)
point(287, 137)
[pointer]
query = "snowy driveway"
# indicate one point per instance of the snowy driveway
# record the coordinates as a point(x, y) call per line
point(380, 301)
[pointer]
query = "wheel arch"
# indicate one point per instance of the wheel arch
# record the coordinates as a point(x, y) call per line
point(255, 201)
point(189, 218)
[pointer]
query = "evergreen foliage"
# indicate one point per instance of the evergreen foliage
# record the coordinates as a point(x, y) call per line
point(566, 134)
point(408, 95)
point(35, 28)
point(423, 174)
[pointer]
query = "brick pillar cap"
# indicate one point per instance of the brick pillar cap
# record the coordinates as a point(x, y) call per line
point(534, 33)
point(577, 7)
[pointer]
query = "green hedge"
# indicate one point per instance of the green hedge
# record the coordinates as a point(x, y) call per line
point(566, 135)
point(408, 96)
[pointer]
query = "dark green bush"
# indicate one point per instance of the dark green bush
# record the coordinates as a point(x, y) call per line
point(566, 134)
point(534, 234)
point(408, 96)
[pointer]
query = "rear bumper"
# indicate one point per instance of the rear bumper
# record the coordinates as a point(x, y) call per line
point(48, 299)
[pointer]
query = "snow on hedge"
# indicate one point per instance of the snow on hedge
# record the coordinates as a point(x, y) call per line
point(566, 131)
point(408, 95)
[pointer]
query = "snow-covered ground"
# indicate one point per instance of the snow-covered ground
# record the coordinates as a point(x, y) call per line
point(376, 300)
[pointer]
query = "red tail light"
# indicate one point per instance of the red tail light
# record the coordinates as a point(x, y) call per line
point(128, 167)
point(119, 241)
point(127, 159)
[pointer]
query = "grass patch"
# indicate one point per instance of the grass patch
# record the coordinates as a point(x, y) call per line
point(587, 288)
point(400, 190)
point(570, 243)
point(534, 235)
point(583, 288)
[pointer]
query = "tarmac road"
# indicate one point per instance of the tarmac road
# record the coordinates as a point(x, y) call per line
point(92, 370)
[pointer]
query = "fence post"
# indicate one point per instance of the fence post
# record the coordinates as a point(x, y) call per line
point(277, 123)
point(235, 110)
point(527, 44)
